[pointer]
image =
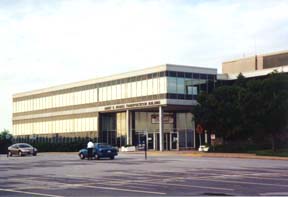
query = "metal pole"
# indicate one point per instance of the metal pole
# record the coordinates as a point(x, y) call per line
point(145, 148)
point(160, 128)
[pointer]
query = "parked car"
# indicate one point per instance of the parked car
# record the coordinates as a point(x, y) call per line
point(100, 150)
point(22, 149)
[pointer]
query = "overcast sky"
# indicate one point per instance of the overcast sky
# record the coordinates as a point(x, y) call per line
point(46, 42)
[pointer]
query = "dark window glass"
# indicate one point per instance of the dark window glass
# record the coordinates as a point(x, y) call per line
point(211, 77)
point(155, 75)
point(203, 76)
point(188, 97)
point(180, 74)
point(162, 74)
point(188, 75)
point(181, 96)
point(104, 146)
point(150, 76)
point(171, 74)
point(196, 75)
point(24, 146)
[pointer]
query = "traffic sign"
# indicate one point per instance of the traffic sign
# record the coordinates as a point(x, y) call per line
point(199, 129)
point(213, 136)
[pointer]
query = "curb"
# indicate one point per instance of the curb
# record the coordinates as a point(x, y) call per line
point(214, 155)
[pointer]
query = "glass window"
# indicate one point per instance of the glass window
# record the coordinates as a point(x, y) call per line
point(163, 85)
point(87, 96)
point(94, 95)
point(203, 76)
point(172, 88)
point(180, 74)
point(113, 92)
point(196, 75)
point(130, 92)
point(155, 86)
point(134, 89)
point(123, 91)
point(171, 73)
point(119, 91)
point(109, 92)
point(180, 86)
point(150, 86)
point(139, 88)
point(194, 90)
point(144, 87)
point(100, 94)
point(104, 94)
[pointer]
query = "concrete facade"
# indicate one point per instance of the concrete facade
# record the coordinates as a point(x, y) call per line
point(107, 108)
point(257, 62)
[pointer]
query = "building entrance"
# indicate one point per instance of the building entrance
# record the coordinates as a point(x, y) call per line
point(170, 140)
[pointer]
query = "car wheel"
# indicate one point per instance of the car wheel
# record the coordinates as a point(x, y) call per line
point(34, 154)
point(82, 156)
point(10, 154)
point(112, 157)
point(20, 153)
point(97, 156)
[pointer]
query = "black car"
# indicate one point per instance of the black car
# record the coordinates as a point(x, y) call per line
point(22, 149)
point(100, 150)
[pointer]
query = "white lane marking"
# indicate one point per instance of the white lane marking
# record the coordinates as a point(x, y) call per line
point(157, 183)
point(96, 187)
point(32, 193)
point(245, 176)
point(224, 181)
point(248, 170)
point(240, 182)
point(125, 190)
point(274, 194)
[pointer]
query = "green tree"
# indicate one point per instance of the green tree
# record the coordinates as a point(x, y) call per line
point(266, 106)
point(5, 140)
point(220, 111)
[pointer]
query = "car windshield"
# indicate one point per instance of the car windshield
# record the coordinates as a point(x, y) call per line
point(24, 146)
point(104, 146)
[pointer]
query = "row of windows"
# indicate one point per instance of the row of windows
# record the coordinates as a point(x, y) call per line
point(124, 81)
point(57, 126)
point(122, 91)
point(186, 87)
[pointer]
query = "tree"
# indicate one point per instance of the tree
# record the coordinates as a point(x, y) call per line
point(5, 140)
point(266, 106)
point(220, 111)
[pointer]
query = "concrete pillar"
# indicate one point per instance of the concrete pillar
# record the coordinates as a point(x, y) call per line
point(154, 141)
point(160, 128)
point(128, 139)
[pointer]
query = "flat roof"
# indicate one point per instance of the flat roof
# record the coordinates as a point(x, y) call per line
point(259, 55)
point(256, 73)
point(164, 67)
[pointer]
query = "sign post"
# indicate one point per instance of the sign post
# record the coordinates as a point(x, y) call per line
point(213, 138)
point(199, 130)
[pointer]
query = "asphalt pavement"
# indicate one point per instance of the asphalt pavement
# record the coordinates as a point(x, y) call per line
point(64, 174)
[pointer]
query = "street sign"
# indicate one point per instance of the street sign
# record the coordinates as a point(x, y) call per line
point(199, 129)
point(213, 136)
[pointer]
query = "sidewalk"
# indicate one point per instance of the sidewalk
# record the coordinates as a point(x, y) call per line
point(194, 153)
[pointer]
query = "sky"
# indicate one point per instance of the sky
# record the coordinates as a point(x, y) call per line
point(51, 42)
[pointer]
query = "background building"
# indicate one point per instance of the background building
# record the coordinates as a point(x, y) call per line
point(121, 109)
point(256, 63)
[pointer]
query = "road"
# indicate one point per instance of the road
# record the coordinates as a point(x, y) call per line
point(61, 174)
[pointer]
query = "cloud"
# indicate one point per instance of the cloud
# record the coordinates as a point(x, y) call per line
point(45, 43)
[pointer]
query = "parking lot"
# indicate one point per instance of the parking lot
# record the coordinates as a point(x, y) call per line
point(64, 174)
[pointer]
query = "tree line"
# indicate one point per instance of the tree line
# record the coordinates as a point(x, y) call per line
point(251, 110)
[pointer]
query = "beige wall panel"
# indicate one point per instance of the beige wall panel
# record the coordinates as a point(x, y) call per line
point(237, 66)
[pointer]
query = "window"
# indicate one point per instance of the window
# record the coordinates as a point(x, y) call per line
point(180, 86)
point(172, 88)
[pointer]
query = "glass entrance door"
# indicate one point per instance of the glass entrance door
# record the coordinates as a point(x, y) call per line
point(174, 141)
